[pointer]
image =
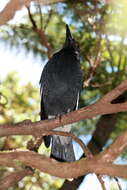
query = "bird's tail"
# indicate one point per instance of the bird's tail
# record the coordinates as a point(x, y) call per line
point(62, 149)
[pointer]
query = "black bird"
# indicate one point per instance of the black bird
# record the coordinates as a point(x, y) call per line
point(61, 83)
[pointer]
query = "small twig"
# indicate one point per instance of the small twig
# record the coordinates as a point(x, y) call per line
point(110, 53)
point(31, 18)
point(44, 40)
point(118, 184)
point(92, 70)
point(41, 34)
point(125, 64)
point(97, 85)
point(48, 19)
point(79, 141)
point(93, 64)
point(120, 52)
point(41, 17)
point(34, 145)
point(99, 177)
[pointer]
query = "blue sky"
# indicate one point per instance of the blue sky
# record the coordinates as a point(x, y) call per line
point(28, 67)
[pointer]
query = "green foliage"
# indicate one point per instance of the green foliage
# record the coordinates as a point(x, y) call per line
point(117, 18)
point(22, 101)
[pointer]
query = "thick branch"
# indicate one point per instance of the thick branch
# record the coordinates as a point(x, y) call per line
point(10, 9)
point(115, 149)
point(101, 107)
point(110, 96)
point(69, 170)
point(41, 126)
point(100, 164)
point(14, 5)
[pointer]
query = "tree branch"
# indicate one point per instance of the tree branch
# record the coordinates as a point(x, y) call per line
point(32, 145)
point(14, 5)
point(93, 64)
point(69, 170)
point(99, 164)
point(113, 94)
point(41, 34)
point(79, 141)
point(116, 149)
point(101, 107)
point(110, 53)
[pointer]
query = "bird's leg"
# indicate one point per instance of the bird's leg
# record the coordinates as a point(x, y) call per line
point(59, 117)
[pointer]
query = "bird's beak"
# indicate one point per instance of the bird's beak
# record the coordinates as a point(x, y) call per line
point(68, 33)
point(69, 37)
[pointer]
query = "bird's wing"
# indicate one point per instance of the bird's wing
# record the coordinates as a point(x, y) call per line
point(43, 114)
point(47, 139)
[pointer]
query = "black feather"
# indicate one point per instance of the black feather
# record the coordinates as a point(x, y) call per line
point(61, 83)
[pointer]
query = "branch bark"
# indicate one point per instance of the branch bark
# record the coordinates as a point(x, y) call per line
point(116, 149)
point(100, 164)
point(101, 107)
point(14, 5)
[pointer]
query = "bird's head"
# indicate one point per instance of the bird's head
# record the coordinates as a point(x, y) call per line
point(70, 41)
